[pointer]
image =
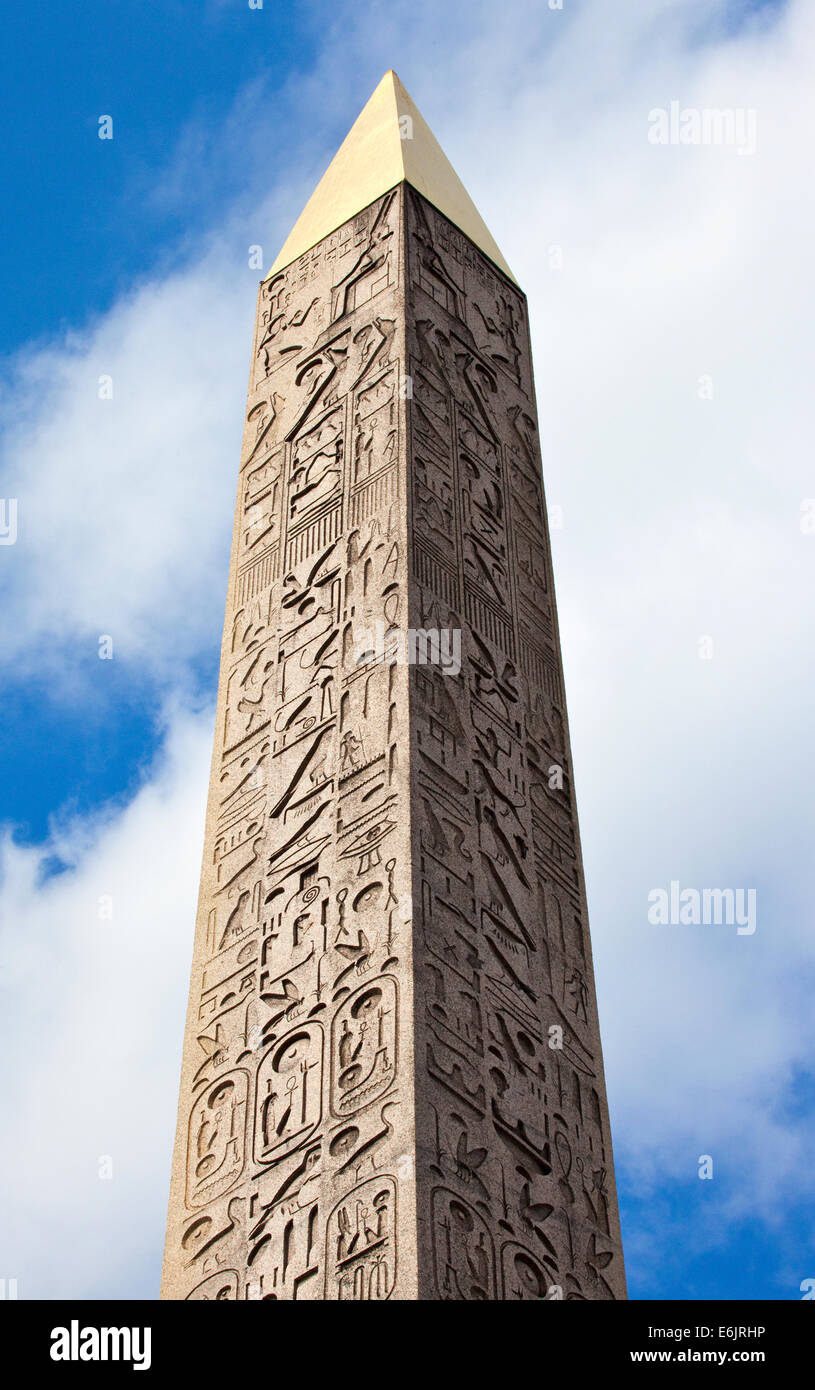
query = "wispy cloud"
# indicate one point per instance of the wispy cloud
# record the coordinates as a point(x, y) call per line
point(95, 971)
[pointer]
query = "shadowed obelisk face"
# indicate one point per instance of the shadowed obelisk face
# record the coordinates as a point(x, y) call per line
point(392, 1084)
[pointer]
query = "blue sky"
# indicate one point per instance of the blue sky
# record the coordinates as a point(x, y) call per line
point(87, 207)
point(681, 519)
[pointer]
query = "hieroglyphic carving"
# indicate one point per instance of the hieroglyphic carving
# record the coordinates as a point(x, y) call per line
point(392, 921)
point(509, 1075)
point(360, 1249)
point(293, 1096)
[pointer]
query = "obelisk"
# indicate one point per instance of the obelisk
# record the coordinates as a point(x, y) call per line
point(392, 1084)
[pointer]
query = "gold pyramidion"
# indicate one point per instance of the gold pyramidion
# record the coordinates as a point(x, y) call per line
point(389, 142)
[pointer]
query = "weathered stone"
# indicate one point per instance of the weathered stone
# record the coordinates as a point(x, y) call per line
point(392, 1083)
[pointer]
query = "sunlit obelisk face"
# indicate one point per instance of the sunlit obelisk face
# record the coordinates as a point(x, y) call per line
point(392, 1083)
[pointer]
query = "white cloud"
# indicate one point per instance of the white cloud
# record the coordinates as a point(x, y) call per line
point(93, 1012)
point(124, 503)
